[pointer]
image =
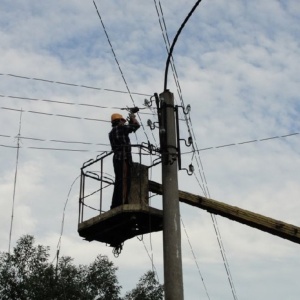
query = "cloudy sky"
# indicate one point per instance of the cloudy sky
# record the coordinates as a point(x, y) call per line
point(237, 64)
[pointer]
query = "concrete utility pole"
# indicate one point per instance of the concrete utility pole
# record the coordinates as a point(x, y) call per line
point(173, 280)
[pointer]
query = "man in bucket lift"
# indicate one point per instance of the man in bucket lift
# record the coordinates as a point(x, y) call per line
point(122, 159)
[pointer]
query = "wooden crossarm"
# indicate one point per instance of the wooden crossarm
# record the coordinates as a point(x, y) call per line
point(272, 226)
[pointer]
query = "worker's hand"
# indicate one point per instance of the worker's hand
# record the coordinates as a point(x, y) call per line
point(131, 116)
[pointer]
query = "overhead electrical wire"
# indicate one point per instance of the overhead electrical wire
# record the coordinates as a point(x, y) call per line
point(176, 79)
point(15, 184)
point(243, 143)
point(54, 115)
point(74, 85)
point(7, 146)
point(165, 36)
point(166, 39)
point(114, 54)
point(108, 145)
point(151, 260)
point(199, 162)
point(58, 247)
point(55, 140)
point(204, 188)
point(65, 103)
point(175, 75)
point(56, 101)
point(175, 40)
point(127, 87)
point(195, 259)
point(120, 69)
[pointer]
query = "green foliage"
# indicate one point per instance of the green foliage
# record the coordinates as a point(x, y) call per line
point(26, 274)
point(148, 288)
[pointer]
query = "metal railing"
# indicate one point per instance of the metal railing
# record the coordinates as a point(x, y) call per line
point(96, 179)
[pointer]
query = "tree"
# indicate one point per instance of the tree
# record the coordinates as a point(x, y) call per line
point(148, 288)
point(24, 273)
point(27, 275)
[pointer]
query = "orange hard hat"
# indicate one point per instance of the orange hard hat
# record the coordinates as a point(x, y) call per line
point(115, 117)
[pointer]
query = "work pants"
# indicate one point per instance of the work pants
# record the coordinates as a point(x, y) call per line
point(122, 170)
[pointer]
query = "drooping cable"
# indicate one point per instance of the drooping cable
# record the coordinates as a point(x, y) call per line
point(174, 42)
point(63, 223)
point(167, 43)
point(165, 36)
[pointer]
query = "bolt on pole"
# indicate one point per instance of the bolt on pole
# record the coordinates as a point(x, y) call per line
point(173, 279)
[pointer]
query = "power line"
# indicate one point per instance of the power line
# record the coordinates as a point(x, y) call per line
point(170, 59)
point(113, 52)
point(63, 149)
point(67, 103)
point(191, 132)
point(167, 43)
point(74, 85)
point(52, 149)
point(7, 146)
point(243, 143)
point(216, 227)
point(176, 79)
point(63, 222)
point(165, 36)
point(54, 101)
point(175, 40)
point(199, 162)
point(108, 145)
point(120, 69)
point(55, 140)
point(151, 260)
point(204, 187)
point(15, 184)
point(53, 115)
point(60, 149)
point(197, 265)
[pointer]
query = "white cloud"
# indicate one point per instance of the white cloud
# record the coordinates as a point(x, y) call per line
point(238, 65)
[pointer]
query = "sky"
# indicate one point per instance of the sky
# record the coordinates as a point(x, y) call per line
point(237, 65)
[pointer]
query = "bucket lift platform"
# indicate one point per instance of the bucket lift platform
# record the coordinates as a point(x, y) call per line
point(121, 223)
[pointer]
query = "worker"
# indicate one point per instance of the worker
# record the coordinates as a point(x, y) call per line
point(122, 158)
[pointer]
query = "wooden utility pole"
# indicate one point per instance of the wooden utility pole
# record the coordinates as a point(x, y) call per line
point(252, 219)
point(173, 280)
